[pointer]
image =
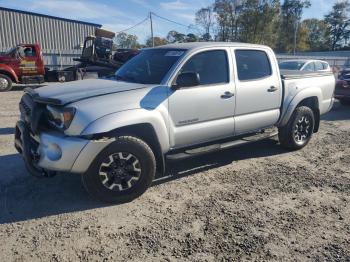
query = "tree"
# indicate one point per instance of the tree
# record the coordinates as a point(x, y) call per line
point(124, 40)
point(157, 41)
point(227, 16)
point(205, 19)
point(317, 34)
point(338, 23)
point(259, 21)
point(291, 14)
point(174, 36)
point(191, 37)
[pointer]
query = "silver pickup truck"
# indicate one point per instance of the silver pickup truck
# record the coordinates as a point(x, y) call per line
point(167, 103)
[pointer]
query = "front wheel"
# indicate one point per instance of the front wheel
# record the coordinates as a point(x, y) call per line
point(299, 129)
point(122, 171)
point(5, 83)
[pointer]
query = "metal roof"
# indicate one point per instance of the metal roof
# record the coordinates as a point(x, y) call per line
point(49, 16)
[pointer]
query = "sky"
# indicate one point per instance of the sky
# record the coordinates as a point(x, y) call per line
point(117, 15)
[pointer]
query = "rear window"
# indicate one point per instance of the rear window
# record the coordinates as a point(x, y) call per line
point(252, 64)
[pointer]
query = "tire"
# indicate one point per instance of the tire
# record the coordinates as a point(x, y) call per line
point(345, 101)
point(5, 83)
point(110, 175)
point(299, 129)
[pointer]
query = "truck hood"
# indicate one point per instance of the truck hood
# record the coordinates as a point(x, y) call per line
point(70, 92)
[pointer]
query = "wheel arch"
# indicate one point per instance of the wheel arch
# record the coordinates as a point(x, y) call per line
point(310, 97)
point(143, 131)
point(8, 71)
point(313, 104)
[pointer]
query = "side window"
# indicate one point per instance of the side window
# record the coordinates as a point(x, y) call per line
point(319, 66)
point(211, 66)
point(29, 52)
point(252, 64)
point(325, 65)
point(310, 67)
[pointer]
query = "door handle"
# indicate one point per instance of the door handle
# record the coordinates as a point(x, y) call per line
point(272, 89)
point(227, 94)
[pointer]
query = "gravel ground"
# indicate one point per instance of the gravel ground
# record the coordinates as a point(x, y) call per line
point(256, 202)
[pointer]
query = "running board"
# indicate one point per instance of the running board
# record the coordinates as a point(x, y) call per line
point(217, 147)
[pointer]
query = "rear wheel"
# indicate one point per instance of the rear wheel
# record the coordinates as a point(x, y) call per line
point(299, 129)
point(5, 83)
point(122, 171)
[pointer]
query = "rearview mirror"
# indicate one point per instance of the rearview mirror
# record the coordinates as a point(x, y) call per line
point(187, 79)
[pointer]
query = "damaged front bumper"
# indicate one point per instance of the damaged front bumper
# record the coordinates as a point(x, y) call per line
point(53, 151)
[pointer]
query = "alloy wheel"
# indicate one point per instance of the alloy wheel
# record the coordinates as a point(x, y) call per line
point(120, 171)
point(302, 130)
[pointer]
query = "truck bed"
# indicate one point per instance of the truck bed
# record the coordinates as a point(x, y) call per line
point(294, 74)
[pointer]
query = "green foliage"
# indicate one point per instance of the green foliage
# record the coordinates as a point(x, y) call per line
point(318, 34)
point(258, 21)
point(124, 40)
point(157, 41)
point(338, 22)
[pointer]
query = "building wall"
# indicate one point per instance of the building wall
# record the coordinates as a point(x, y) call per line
point(60, 39)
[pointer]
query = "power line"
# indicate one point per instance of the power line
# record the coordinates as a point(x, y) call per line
point(129, 28)
point(171, 21)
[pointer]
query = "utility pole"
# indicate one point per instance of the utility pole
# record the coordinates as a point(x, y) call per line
point(296, 27)
point(150, 17)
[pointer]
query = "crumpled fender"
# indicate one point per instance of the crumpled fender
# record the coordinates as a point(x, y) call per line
point(9, 70)
point(126, 118)
point(300, 96)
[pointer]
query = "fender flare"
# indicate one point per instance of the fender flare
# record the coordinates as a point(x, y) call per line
point(127, 118)
point(9, 71)
point(299, 97)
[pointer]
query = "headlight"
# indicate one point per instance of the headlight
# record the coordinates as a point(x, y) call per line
point(61, 117)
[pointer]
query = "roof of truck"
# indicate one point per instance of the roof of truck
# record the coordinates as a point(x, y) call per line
point(195, 45)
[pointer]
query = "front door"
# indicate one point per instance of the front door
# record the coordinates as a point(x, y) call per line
point(205, 112)
point(259, 90)
point(28, 62)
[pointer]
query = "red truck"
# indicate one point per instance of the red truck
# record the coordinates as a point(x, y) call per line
point(22, 64)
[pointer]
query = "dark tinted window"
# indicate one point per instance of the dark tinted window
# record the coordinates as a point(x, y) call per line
point(252, 64)
point(150, 66)
point(310, 67)
point(210, 65)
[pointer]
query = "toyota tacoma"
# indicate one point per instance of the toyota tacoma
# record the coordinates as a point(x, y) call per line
point(166, 104)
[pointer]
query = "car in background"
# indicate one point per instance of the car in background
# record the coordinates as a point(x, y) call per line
point(305, 65)
point(342, 88)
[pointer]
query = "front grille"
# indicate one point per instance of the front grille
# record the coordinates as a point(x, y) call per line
point(26, 106)
point(26, 109)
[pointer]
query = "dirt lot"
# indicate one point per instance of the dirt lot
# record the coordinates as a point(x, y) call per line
point(257, 202)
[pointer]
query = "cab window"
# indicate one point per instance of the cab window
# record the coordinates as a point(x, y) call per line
point(29, 51)
point(252, 64)
point(211, 66)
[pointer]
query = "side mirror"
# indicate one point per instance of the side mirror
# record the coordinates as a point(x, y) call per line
point(187, 79)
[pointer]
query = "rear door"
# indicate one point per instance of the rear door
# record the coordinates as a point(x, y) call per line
point(205, 112)
point(258, 90)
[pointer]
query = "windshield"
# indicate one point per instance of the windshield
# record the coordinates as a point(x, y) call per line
point(150, 66)
point(291, 65)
